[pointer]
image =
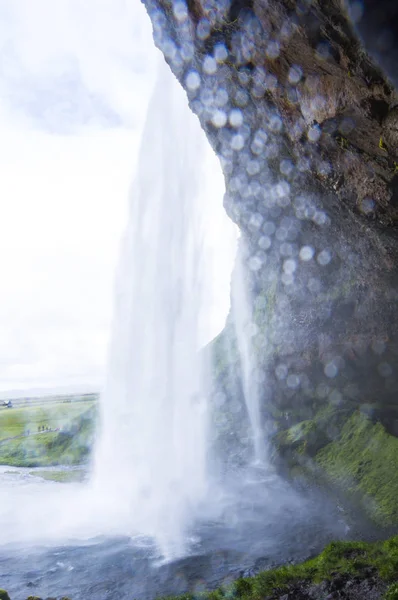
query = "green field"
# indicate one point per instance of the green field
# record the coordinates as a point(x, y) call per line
point(44, 450)
point(19, 420)
point(47, 433)
point(74, 476)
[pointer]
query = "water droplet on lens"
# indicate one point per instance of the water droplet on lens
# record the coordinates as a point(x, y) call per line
point(324, 258)
point(293, 381)
point(192, 80)
point(273, 49)
point(220, 52)
point(314, 133)
point(264, 242)
point(209, 65)
point(289, 266)
point(295, 74)
point(219, 118)
point(236, 117)
point(306, 253)
point(237, 142)
point(331, 370)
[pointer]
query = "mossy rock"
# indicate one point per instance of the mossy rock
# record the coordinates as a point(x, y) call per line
point(304, 438)
point(4, 595)
point(223, 352)
point(363, 462)
point(392, 592)
point(350, 562)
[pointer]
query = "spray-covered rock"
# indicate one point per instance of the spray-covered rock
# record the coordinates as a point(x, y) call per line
point(303, 122)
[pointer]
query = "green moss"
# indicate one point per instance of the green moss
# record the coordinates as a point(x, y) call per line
point(301, 431)
point(224, 354)
point(302, 438)
point(363, 461)
point(353, 559)
point(4, 595)
point(343, 558)
point(392, 592)
point(348, 452)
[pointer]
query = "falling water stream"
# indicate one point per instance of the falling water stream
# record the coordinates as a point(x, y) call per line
point(242, 319)
point(152, 446)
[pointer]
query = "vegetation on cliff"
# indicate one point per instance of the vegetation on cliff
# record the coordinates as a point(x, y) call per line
point(349, 568)
point(361, 460)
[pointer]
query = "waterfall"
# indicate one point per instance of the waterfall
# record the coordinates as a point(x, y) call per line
point(150, 461)
point(242, 318)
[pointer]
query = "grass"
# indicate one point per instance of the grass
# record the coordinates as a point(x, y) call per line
point(60, 476)
point(392, 592)
point(43, 450)
point(68, 447)
point(339, 559)
point(364, 461)
point(361, 461)
point(18, 420)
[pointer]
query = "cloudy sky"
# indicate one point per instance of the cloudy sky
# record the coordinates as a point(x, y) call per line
point(75, 79)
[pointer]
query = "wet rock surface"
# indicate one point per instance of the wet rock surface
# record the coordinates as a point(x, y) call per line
point(341, 588)
point(303, 120)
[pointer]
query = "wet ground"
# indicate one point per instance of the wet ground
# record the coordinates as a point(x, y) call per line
point(262, 523)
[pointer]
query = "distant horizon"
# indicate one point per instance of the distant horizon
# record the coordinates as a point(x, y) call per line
point(37, 392)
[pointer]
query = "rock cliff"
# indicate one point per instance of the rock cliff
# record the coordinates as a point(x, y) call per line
point(305, 125)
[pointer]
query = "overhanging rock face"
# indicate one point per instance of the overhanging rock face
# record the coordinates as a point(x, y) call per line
point(305, 126)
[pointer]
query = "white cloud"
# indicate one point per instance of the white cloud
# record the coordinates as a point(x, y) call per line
point(63, 209)
point(63, 199)
point(75, 80)
point(96, 53)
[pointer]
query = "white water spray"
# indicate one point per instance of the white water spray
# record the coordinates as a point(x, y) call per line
point(244, 334)
point(151, 457)
point(149, 468)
